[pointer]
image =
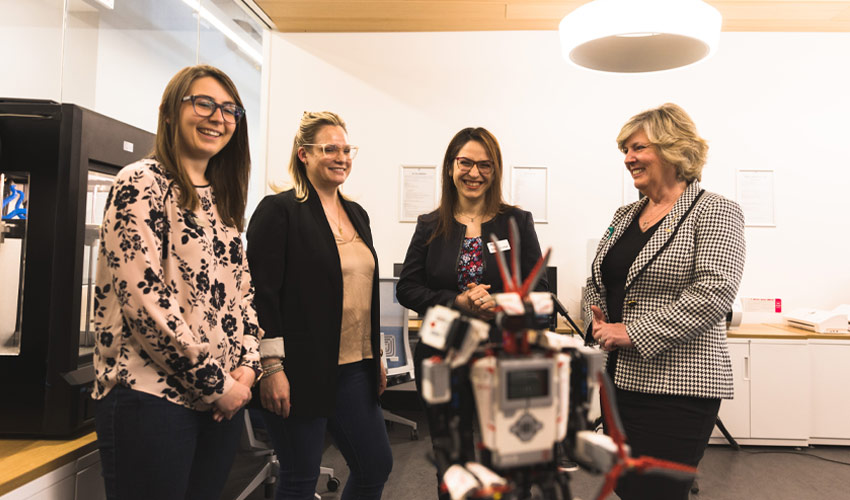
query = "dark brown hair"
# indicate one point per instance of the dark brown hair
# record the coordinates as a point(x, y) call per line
point(228, 171)
point(493, 202)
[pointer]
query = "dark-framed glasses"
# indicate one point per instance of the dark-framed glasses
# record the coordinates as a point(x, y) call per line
point(331, 150)
point(206, 106)
point(465, 165)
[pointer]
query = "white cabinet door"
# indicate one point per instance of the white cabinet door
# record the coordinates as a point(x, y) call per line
point(779, 389)
point(830, 363)
point(735, 413)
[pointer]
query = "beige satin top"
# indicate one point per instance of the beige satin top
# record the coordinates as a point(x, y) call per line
point(358, 267)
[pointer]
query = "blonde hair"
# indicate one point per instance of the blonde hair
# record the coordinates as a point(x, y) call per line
point(311, 123)
point(674, 135)
point(228, 171)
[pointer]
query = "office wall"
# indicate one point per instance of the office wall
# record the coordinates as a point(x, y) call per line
point(765, 100)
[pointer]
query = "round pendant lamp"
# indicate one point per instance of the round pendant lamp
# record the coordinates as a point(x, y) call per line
point(634, 36)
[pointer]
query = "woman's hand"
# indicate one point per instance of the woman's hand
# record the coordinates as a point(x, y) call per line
point(244, 375)
point(274, 394)
point(609, 335)
point(477, 300)
point(382, 381)
point(232, 401)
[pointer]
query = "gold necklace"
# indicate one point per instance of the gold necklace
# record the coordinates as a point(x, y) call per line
point(471, 219)
point(646, 223)
point(338, 220)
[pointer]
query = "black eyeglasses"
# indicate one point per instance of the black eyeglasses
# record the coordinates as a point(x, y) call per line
point(465, 165)
point(206, 106)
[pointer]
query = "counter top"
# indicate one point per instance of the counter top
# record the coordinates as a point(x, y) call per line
point(22, 460)
point(780, 331)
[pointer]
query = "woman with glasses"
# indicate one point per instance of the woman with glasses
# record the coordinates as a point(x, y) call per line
point(316, 272)
point(451, 261)
point(176, 331)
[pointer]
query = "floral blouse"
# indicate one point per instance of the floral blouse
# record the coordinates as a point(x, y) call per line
point(174, 312)
point(470, 266)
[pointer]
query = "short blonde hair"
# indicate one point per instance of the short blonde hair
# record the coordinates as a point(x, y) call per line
point(311, 123)
point(674, 135)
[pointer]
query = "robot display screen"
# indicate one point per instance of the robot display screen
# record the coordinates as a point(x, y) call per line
point(524, 384)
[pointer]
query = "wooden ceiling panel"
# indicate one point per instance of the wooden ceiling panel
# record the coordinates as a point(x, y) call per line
point(483, 15)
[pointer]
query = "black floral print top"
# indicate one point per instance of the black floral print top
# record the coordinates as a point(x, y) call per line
point(470, 266)
point(174, 312)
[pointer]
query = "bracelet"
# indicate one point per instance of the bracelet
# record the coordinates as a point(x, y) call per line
point(272, 369)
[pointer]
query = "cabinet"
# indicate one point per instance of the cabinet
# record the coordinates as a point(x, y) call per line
point(830, 399)
point(772, 406)
point(790, 387)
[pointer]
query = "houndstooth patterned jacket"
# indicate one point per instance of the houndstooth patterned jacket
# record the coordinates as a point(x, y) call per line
point(678, 291)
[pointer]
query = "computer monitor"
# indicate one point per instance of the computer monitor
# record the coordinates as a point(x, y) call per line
point(394, 333)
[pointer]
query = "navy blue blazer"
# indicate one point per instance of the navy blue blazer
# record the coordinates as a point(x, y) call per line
point(429, 274)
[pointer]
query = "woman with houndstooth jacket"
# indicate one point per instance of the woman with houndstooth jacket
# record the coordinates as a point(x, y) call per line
point(665, 273)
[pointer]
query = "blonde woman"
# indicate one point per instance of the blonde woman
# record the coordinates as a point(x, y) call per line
point(316, 272)
point(665, 274)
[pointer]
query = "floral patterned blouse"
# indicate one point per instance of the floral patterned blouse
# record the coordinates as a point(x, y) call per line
point(470, 266)
point(174, 321)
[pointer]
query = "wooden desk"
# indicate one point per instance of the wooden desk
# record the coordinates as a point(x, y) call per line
point(780, 331)
point(414, 325)
point(23, 460)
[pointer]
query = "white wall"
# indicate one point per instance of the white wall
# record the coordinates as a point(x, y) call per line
point(765, 100)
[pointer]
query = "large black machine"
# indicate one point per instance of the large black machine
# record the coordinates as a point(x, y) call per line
point(532, 392)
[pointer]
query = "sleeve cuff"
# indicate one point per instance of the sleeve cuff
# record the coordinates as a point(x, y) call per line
point(272, 348)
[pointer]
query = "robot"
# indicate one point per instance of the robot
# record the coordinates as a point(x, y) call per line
point(532, 393)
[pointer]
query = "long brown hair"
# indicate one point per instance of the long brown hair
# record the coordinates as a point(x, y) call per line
point(228, 171)
point(493, 202)
point(311, 123)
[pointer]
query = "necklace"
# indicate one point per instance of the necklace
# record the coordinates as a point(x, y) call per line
point(471, 219)
point(659, 214)
point(338, 220)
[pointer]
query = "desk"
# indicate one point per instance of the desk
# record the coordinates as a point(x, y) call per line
point(413, 325)
point(24, 461)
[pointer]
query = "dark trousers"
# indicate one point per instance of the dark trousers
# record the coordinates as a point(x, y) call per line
point(357, 427)
point(675, 428)
point(451, 424)
point(152, 448)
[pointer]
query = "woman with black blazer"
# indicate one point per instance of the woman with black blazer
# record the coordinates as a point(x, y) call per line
point(666, 272)
point(316, 276)
point(451, 261)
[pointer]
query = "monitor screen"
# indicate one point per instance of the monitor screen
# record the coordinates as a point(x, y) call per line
point(525, 384)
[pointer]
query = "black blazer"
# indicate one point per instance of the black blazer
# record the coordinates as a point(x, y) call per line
point(429, 274)
point(296, 271)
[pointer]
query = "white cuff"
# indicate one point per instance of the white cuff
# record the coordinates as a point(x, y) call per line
point(272, 348)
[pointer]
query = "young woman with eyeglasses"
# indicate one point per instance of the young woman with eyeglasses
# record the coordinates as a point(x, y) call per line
point(451, 261)
point(176, 331)
point(316, 272)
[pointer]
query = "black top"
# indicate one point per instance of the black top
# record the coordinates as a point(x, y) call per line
point(296, 271)
point(615, 268)
point(430, 273)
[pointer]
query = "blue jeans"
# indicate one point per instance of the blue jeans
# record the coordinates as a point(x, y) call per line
point(357, 427)
point(152, 448)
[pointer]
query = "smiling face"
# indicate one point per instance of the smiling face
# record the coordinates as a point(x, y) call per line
point(648, 170)
point(326, 172)
point(201, 138)
point(472, 185)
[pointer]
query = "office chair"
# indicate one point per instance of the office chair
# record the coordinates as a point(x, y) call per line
point(267, 475)
point(395, 340)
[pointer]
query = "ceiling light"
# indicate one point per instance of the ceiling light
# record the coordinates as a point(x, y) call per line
point(634, 36)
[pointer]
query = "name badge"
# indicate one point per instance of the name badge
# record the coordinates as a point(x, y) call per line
point(504, 246)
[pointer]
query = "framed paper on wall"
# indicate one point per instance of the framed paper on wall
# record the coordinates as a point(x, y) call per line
point(530, 191)
point(755, 194)
point(417, 191)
